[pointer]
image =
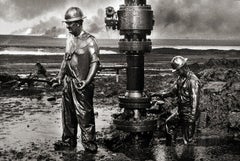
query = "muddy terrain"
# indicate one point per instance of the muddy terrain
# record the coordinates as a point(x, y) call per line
point(31, 117)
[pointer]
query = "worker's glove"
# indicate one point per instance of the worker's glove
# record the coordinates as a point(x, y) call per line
point(160, 95)
point(55, 82)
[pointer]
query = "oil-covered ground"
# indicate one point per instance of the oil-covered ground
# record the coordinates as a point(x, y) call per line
point(31, 118)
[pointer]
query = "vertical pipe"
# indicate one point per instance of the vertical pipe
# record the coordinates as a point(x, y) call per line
point(135, 72)
point(135, 2)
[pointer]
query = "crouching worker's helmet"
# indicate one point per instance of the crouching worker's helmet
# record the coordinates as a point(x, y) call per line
point(74, 14)
point(178, 62)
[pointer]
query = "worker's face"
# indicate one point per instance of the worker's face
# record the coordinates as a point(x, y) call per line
point(180, 72)
point(176, 73)
point(73, 27)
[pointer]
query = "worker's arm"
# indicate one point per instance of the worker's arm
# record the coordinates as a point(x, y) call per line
point(170, 93)
point(58, 80)
point(195, 94)
point(61, 73)
point(166, 94)
point(92, 72)
point(94, 53)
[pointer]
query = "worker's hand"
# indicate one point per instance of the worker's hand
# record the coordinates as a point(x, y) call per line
point(81, 84)
point(152, 94)
point(157, 95)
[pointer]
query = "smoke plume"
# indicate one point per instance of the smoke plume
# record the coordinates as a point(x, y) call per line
point(17, 10)
point(207, 19)
point(196, 18)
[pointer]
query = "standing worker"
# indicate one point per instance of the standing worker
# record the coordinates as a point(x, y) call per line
point(78, 69)
point(187, 91)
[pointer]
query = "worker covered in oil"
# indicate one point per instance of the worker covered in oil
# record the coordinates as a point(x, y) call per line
point(187, 90)
point(78, 69)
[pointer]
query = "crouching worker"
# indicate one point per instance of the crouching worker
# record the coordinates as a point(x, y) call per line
point(78, 69)
point(187, 91)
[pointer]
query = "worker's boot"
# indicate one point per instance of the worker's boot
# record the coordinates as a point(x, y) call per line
point(90, 147)
point(69, 144)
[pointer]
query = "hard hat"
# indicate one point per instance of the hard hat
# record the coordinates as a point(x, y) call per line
point(178, 62)
point(74, 14)
point(110, 11)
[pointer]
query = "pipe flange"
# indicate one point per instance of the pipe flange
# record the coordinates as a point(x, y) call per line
point(136, 126)
point(134, 105)
point(134, 100)
point(133, 45)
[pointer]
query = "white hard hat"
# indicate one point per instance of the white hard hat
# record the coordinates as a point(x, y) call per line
point(178, 62)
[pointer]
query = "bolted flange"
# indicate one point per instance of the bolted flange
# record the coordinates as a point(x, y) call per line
point(134, 103)
point(140, 46)
point(136, 126)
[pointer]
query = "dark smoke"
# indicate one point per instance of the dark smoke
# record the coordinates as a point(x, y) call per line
point(54, 26)
point(46, 26)
point(51, 27)
point(54, 31)
point(96, 23)
point(196, 18)
point(17, 10)
point(173, 18)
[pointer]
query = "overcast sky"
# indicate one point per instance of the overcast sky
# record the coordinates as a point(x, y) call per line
point(200, 19)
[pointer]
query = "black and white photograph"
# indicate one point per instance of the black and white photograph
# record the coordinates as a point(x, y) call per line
point(120, 80)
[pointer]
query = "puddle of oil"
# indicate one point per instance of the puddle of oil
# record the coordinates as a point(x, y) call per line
point(204, 149)
point(32, 123)
point(211, 149)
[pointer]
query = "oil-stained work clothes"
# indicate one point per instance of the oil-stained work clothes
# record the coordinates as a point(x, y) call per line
point(187, 90)
point(77, 105)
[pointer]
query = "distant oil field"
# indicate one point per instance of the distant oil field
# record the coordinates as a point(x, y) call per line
point(44, 41)
point(159, 57)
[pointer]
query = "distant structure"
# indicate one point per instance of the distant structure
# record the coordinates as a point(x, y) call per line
point(40, 70)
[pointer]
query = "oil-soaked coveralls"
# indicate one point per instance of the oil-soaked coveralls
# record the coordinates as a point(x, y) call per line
point(77, 104)
point(187, 90)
